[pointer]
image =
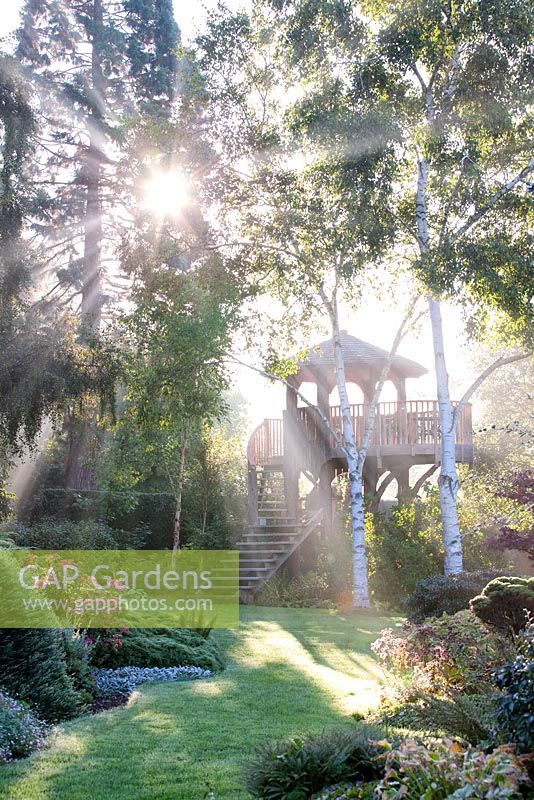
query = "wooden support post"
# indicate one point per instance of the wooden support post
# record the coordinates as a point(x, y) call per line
point(253, 515)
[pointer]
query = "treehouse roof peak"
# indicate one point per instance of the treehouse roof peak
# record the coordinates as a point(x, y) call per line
point(362, 360)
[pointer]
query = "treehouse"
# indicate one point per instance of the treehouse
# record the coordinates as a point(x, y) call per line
point(298, 450)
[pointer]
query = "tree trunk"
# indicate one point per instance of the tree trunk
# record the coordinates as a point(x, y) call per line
point(360, 595)
point(91, 278)
point(448, 479)
point(79, 474)
point(179, 491)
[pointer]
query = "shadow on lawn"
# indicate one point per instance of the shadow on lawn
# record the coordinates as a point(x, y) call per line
point(174, 741)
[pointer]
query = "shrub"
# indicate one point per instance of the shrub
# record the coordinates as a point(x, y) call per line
point(310, 590)
point(20, 731)
point(469, 718)
point(77, 650)
point(414, 772)
point(50, 534)
point(403, 546)
point(299, 767)
point(456, 652)
point(445, 594)
point(155, 647)
point(505, 603)
point(515, 718)
point(33, 669)
point(349, 791)
point(124, 680)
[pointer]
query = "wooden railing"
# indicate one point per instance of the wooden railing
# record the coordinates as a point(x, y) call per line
point(266, 443)
point(415, 422)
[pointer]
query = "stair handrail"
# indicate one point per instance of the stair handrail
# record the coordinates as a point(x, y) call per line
point(251, 442)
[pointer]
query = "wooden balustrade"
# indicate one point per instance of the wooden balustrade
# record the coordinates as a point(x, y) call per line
point(412, 423)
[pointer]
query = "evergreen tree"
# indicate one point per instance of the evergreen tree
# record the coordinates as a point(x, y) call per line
point(32, 668)
point(95, 65)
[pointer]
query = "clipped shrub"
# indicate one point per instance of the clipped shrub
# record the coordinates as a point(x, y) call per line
point(515, 717)
point(414, 771)
point(446, 594)
point(444, 653)
point(505, 603)
point(155, 647)
point(21, 733)
point(299, 767)
point(33, 669)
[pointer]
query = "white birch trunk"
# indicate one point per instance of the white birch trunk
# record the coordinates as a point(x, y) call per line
point(176, 543)
point(360, 596)
point(448, 479)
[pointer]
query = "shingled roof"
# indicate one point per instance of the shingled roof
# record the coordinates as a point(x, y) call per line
point(356, 351)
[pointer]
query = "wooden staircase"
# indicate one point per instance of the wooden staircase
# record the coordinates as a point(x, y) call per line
point(268, 545)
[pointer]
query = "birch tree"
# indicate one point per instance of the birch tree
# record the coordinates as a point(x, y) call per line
point(306, 217)
point(458, 82)
point(469, 146)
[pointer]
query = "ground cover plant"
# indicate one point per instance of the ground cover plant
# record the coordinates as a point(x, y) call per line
point(154, 647)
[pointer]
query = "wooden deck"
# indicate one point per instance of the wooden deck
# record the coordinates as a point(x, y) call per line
point(401, 429)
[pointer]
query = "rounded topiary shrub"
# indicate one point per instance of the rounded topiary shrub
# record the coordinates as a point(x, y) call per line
point(505, 603)
point(446, 594)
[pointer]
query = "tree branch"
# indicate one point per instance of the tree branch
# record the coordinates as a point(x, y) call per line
point(500, 362)
point(493, 201)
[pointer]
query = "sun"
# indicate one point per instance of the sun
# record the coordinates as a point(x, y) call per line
point(167, 193)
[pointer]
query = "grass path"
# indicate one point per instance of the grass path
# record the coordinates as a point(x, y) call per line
point(289, 671)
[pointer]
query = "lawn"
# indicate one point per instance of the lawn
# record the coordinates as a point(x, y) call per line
point(289, 671)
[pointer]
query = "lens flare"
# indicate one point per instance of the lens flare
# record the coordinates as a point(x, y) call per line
point(167, 193)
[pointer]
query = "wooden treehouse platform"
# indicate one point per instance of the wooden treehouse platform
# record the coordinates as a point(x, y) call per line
point(281, 451)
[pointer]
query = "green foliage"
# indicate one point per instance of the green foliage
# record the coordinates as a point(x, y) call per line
point(447, 770)
point(77, 663)
point(505, 603)
point(403, 547)
point(445, 594)
point(154, 647)
point(297, 768)
point(360, 791)
point(515, 717)
point(310, 590)
point(456, 652)
point(51, 534)
point(468, 718)
point(33, 668)
point(21, 733)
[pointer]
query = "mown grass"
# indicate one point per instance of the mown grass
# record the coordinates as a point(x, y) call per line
point(289, 671)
